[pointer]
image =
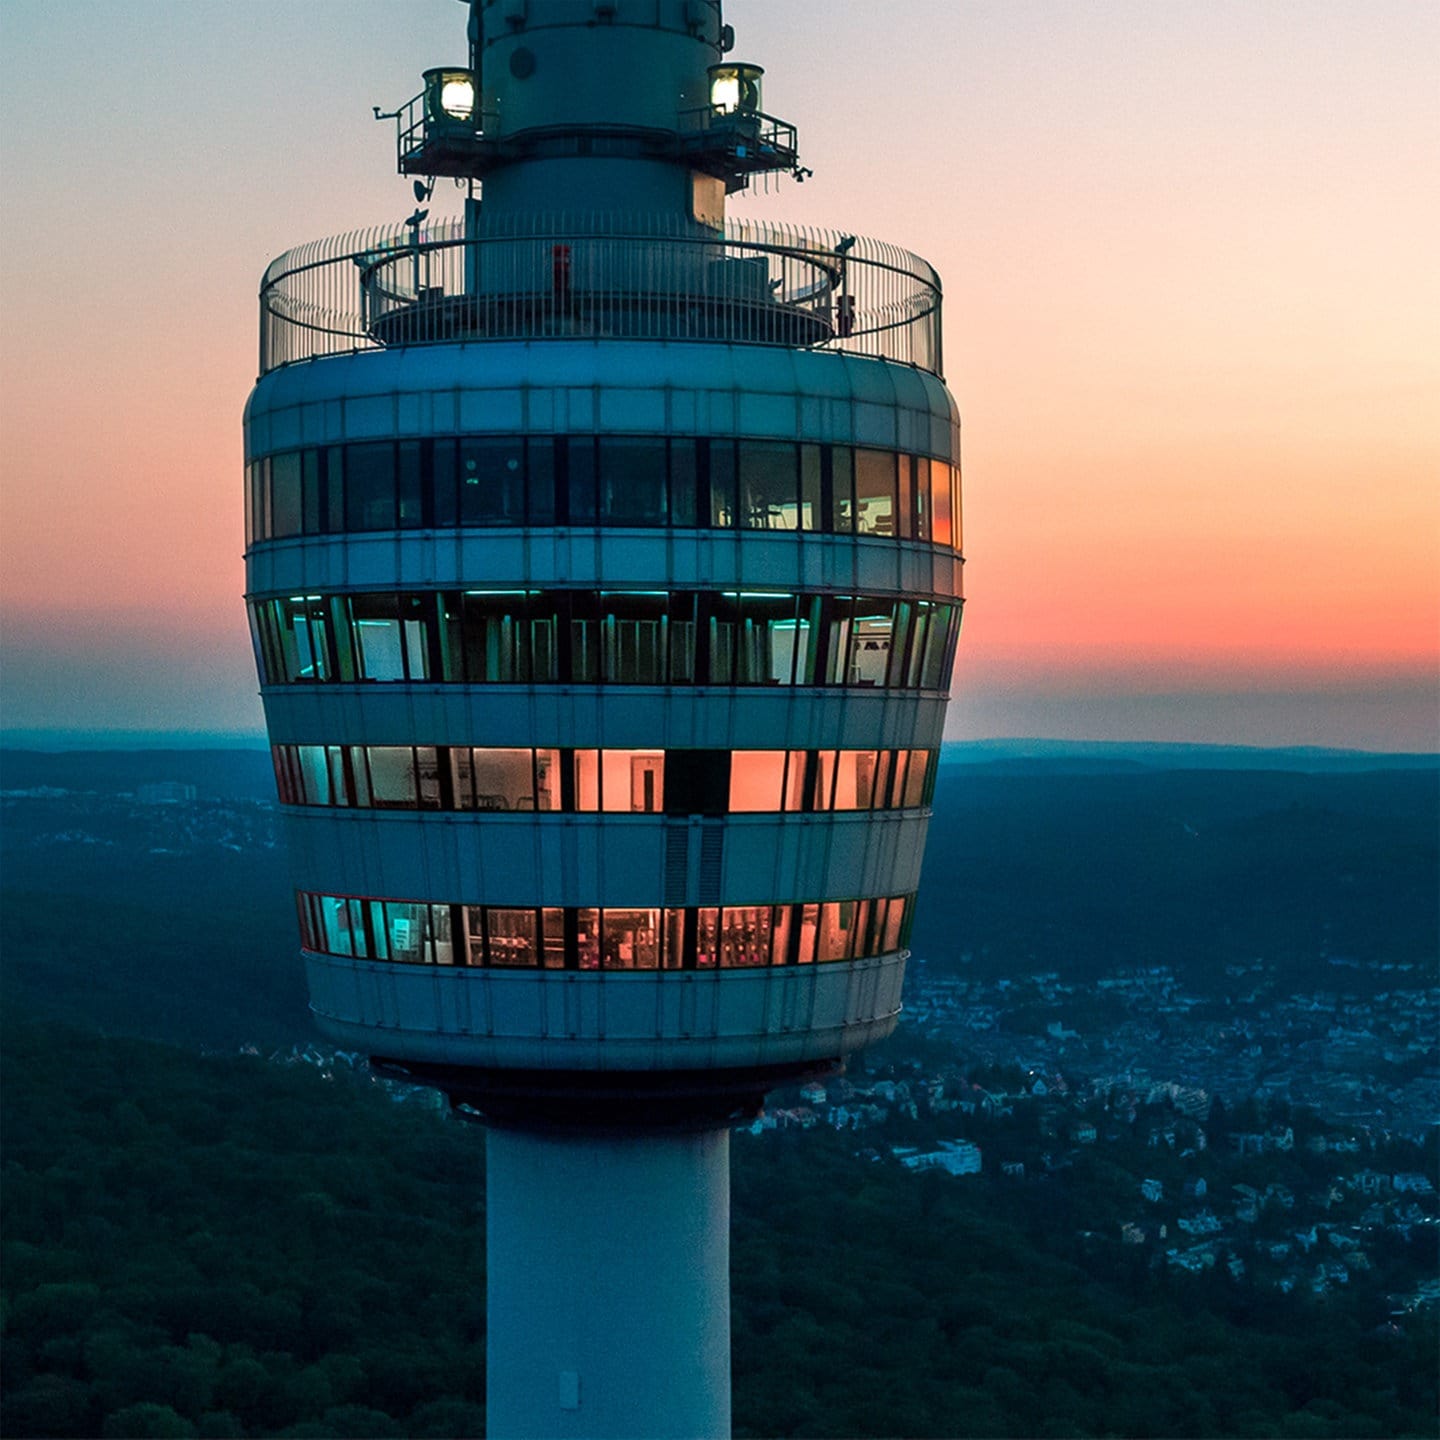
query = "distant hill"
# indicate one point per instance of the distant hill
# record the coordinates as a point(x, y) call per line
point(1113, 756)
point(216, 774)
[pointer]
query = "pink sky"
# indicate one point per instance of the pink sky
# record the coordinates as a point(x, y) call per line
point(1191, 321)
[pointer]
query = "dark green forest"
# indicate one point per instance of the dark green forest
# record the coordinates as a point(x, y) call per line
point(225, 1247)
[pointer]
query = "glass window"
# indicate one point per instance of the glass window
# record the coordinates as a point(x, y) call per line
point(444, 497)
point(587, 780)
point(875, 492)
point(707, 938)
point(934, 676)
point(441, 950)
point(580, 479)
point(407, 485)
point(722, 483)
point(842, 489)
point(757, 780)
point(631, 940)
point(854, 779)
point(809, 931)
point(797, 773)
point(416, 614)
point(552, 937)
point(745, 935)
point(674, 956)
point(493, 628)
point(943, 531)
point(540, 480)
point(408, 932)
point(684, 483)
point(285, 507)
point(811, 509)
point(392, 776)
point(682, 638)
point(894, 918)
point(334, 489)
point(315, 775)
point(584, 606)
point(822, 780)
point(462, 777)
point(768, 484)
point(587, 938)
point(503, 779)
point(370, 486)
point(905, 508)
point(633, 780)
point(721, 621)
point(765, 650)
point(697, 782)
point(450, 636)
point(377, 637)
point(837, 934)
point(915, 779)
point(312, 510)
point(492, 481)
point(632, 481)
point(782, 927)
point(633, 635)
point(338, 762)
point(870, 642)
point(338, 935)
point(547, 779)
point(884, 763)
point(914, 660)
point(473, 918)
point(513, 937)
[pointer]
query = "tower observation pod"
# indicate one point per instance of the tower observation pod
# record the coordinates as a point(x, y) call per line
point(603, 567)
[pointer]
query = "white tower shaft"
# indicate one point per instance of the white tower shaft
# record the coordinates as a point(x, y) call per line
point(608, 1285)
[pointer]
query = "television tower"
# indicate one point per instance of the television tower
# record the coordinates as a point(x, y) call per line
point(603, 563)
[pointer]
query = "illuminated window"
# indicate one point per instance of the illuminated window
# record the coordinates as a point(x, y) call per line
point(757, 780)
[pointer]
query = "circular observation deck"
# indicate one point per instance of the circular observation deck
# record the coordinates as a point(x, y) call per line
point(658, 1047)
point(565, 277)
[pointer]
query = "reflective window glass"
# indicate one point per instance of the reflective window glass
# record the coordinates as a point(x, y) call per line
point(392, 776)
point(311, 499)
point(503, 779)
point(707, 938)
point(757, 779)
point(630, 940)
point(547, 779)
point(580, 479)
point(905, 506)
point(540, 480)
point(837, 918)
point(493, 628)
point(587, 779)
point(285, 506)
point(915, 779)
point(587, 938)
point(315, 775)
point(944, 533)
point(632, 481)
point(722, 483)
point(875, 492)
point(513, 937)
point(473, 918)
point(633, 637)
point(842, 489)
point(492, 481)
point(768, 486)
point(810, 488)
point(552, 937)
point(633, 780)
point(407, 485)
point(370, 486)
point(378, 645)
point(870, 642)
point(684, 483)
point(854, 779)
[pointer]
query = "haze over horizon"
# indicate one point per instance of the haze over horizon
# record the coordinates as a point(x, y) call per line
point(1190, 315)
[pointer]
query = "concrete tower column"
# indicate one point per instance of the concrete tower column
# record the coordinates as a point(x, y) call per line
point(608, 1284)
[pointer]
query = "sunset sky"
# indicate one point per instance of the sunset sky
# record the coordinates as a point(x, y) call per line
point(1192, 320)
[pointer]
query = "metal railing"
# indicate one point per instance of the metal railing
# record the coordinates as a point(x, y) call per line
point(574, 277)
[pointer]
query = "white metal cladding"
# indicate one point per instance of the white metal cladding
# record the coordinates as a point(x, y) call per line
point(569, 1020)
point(623, 717)
point(603, 387)
point(608, 558)
point(583, 859)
